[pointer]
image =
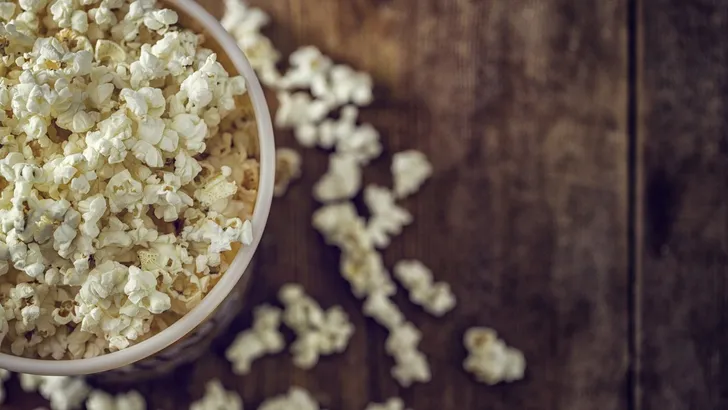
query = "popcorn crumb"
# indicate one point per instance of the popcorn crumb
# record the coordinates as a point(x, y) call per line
point(296, 399)
point(318, 332)
point(263, 338)
point(99, 400)
point(288, 169)
point(217, 398)
point(394, 403)
point(489, 359)
point(410, 170)
point(436, 298)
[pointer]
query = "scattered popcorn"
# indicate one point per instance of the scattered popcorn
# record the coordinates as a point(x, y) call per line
point(308, 65)
point(387, 219)
point(217, 398)
point(263, 338)
point(244, 24)
point(114, 209)
point(318, 332)
point(363, 144)
point(489, 359)
point(297, 109)
point(394, 403)
point(435, 298)
point(296, 399)
point(288, 169)
point(410, 170)
point(4, 376)
point(342, 181)
point(345, 86)
point(63, 393)
point(410, 364)
point(99, 400)
point(331, 87)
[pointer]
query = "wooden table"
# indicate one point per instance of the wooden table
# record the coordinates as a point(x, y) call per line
point(580, 203)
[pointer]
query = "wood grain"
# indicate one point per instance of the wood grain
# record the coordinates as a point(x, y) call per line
point(521, 106)
point(684, 205)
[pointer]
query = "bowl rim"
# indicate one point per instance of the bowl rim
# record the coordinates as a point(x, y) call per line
point(188, 322)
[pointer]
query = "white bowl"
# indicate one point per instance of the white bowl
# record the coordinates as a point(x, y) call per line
point(211, 28)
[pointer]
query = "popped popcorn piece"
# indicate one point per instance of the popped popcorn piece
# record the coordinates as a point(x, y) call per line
point(362, 143)
point(296, 399)
point(489, 359)
point(263, 338)
point(307, 65)
point(217, 398)
point(361, 264)
point(288, 169)
point(342, 181)
point(410, 364)
point(318, 332)
point(4, 376)
point(244, 24)
point(387, 219)
point(436, 298)
point(299, 109)
point(63, 393)
point(330, 132)
point(99, 400)
point(344, 85)
point(394, 403)
point(410, 170)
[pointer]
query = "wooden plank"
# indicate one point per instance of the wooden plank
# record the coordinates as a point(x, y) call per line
point(684, 205)
point(521, 106)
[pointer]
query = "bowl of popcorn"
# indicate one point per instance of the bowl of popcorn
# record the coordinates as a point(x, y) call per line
point(136, 176)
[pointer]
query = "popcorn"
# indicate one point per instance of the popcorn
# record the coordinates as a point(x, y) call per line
point(298, 109)
point(106, 108)
point(489, 359)
point(307, 64)
point(362, 143)
point(7, 10)
point(410, 169)
point(380, 307)
point(342, 181)
point(99, 400)
point(263, 338)
point(217, 189)
point(330, 132)
point(288, 169)
point(217, 398)
point(387, 218)
point(245, 24)
point(4, 376)
point(345, 86)
point(296, 399)
point(435, 298)
point(63, 393)
point(394, 403)
point(141, 291)
point(318, 332)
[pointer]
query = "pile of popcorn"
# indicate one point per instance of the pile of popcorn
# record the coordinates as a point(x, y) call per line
point(128, 174)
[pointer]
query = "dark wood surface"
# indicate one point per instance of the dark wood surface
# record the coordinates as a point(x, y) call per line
point(588, 230)
point(683, 94)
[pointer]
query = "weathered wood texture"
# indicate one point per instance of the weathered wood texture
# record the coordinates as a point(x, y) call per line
point(683, 275)
point(521, 106)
